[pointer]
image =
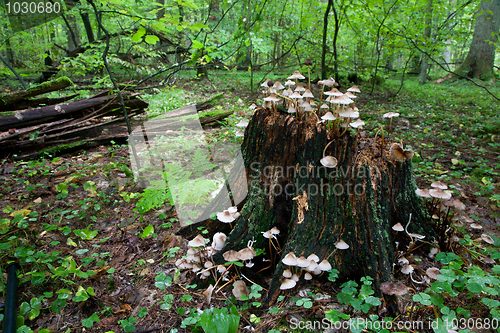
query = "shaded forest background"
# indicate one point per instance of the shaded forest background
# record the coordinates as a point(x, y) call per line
point(350, 40)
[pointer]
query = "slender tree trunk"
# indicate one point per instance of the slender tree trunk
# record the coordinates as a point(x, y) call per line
point(424, 66)
point(325, 34)
point(88, 26)
point(480, 59)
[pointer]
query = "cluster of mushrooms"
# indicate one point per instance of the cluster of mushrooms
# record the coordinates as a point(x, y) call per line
point(308, 266)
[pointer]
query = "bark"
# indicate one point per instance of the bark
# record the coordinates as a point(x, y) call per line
point(480, 59)
point(424, 66)
point(7, 101)
point(44, 114)
point(88, 26)
point(358, 202)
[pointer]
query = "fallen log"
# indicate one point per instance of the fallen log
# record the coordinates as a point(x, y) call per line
point(7, 101)
point(34, 103)
point(43, 114)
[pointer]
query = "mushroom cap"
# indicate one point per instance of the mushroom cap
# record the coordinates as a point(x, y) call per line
point(312, 266)
point(225, 217)
point(287, 92)
point(275, 231)
point(197, 241)
point(398, 227)
point(306, 106)
point(489, 260)
point(208, 293)
point(295, 278)
point(327, 82)
point(240, 289)
point(438, 184)
point(219, 240)
point(243, 123)
point(296, 75)
point(390, 288)
point(246, 253)
point(329, 161)
point(350, 95)
point(239, 134)
point(266, 84)
point(233, 209)
point(313, 257)
point(302, 262)
point(231, 255)
point(267, 234)
point(407, 269)
point(267, 104)
point(341, 245)
point(417, 236)
point(433, 272)
point(424, 193)
point(296, 95)
point(457, 204)
point(349, 113)
point(289, 83)
point(358, 123)
point(324, 106)
point(328, 116)
point(291, 109)
point(308, 93)
point(307, 276)
point(333, 92)
point(287, 284)
point(290, 259)
point(287, 273)
point(403, 261)
point(272, 98)
point(439, 194)
point(299, 88)
point(476, 226)
point(354, 89)
point(397, 153)
point(487, 239)
point(278, 86)
point(253, 106)
point(342, 100)
point(324, 265)
point(221, 268)
point(391, 114)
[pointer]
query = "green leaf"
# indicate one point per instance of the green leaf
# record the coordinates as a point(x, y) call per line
point(138, 35)
point(148, 231)
point(151, 39)
point(197, 45)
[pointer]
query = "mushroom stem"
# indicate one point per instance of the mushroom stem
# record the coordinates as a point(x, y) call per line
point(320, 97)
point(252, 281)
point(324, 150)
point(309, 76)
point(390, 125)
point(314, 112)
point(228, 282)
point(347, 126)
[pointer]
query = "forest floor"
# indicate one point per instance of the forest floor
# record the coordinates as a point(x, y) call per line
point(92, 261)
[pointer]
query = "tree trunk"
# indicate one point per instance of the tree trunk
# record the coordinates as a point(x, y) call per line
point(88, 26)
point(479, 61)
point(424, 66)
point(314, 206)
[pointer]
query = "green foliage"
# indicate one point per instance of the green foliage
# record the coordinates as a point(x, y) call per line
point(364, 300)
point(220, 320)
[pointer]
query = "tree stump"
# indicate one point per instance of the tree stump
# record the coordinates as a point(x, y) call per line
point(314, 207)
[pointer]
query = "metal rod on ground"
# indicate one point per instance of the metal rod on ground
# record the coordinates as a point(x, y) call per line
point(10, 312)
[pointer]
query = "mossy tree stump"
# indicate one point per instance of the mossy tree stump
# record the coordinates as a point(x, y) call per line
point(314, 206)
